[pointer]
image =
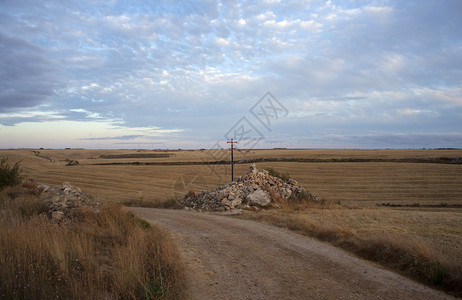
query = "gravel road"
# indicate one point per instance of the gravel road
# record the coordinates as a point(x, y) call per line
point(228, 258)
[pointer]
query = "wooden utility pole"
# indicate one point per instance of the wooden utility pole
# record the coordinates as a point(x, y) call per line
point(232, 157)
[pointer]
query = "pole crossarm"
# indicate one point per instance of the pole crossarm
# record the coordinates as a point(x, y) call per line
point(232, 142)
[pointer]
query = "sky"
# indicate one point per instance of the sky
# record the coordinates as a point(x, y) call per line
point(194, 74)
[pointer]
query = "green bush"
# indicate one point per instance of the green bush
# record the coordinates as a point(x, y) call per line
point(9, 175)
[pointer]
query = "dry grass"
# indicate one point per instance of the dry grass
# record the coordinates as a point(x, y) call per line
point(424, 245)
point(351, 183)
point(111, 254)
point(171, 203)
point(431, 237)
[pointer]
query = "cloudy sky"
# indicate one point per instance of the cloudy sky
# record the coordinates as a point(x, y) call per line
point(189, 74)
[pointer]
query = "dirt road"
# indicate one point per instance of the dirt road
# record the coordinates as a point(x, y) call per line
point(227, 258)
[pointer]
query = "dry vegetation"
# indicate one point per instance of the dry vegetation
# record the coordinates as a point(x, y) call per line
point(424, 243)
point(351, 183)
point(365, 184)
point(107, 255)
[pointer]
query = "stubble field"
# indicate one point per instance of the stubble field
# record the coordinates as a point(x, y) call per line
point(363, 178)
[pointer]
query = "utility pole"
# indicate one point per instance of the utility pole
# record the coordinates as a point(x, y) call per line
point(232, 157)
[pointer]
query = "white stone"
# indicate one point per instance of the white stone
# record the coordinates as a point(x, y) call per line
point(259, 197)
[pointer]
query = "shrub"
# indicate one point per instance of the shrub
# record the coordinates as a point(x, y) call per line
point(275, 173)
point(9, 175)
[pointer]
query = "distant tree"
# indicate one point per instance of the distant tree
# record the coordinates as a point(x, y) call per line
point(9, 175)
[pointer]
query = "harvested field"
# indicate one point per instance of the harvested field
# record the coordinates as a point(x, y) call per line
point(371, 183)
point(350, 183)
point(141, 155)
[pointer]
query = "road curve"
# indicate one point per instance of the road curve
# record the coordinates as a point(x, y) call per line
point(228, 258)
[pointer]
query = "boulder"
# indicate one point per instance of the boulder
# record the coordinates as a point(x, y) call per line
point(259, 197)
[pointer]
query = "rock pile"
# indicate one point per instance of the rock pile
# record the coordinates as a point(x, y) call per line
point(251, 191)
point(65, 200)
point(72, 162)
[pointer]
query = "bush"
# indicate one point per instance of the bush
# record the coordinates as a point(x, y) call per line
point(9, 175)
point(276, 173)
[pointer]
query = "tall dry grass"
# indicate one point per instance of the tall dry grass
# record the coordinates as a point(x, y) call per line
point(411, 256)
point(107, 255)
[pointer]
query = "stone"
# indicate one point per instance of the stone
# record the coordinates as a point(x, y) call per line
point(253, 170)
point(235, 202)
point(57, 215)
point(259, 197)
point(72, 163)
point(250, 191)
point(63, 200)
point(292, 181)
point(58, 198)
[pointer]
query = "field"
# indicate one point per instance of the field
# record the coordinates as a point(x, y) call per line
point(409, 199)
point(364, 178)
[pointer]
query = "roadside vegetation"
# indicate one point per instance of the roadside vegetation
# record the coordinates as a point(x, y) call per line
point(410, 255)
point(171, 203)
point(411, 242)
point(110, 254)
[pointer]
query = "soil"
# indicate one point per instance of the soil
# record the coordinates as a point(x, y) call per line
point(229, 258)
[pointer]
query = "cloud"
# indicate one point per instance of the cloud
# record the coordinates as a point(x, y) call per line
point(200, 66)
point(11, 119)
point(123, 137)
point(379, 140)
point(406, 140)
point(410, 111)
point(27, 77)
